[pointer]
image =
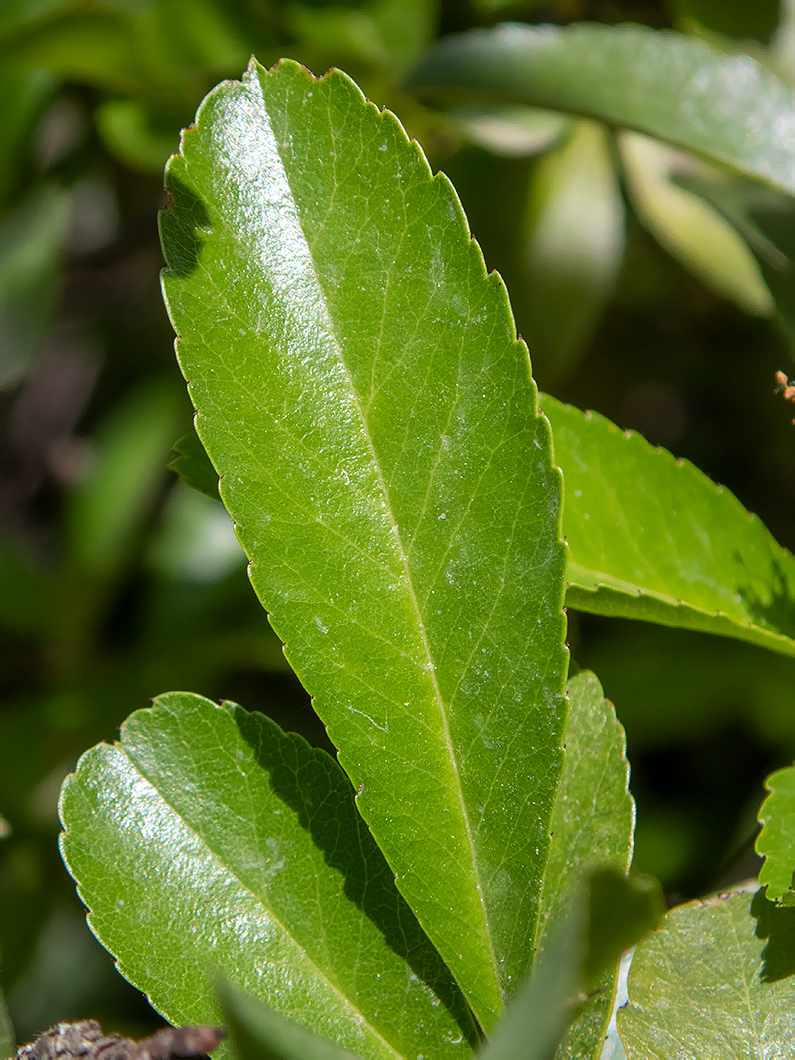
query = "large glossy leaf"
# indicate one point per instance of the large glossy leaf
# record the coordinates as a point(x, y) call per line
point(727, 108)
point(776, 841)
point(716, 979)
point(209, 842)
point(592, 827)
point(364, 398)
point(651, 537)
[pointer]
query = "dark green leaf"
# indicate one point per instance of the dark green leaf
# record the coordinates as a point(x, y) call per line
point(260, 1033)
point(208, 841)
point(651, 537)
point(776, 841)
point(7, 1045)
point(715, 980)
point(621, 911)
point(362, 393)
point(193, 465)
point(728, 108)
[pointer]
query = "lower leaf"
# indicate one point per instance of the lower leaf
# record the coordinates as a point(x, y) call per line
point(209, 842)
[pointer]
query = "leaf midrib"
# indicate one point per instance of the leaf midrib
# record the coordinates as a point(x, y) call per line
point(403, 558)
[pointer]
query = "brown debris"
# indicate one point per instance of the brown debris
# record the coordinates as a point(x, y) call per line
point(85, 1041)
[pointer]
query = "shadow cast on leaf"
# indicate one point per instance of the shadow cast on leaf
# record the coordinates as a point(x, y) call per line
point(319, 792)
point(776, 924)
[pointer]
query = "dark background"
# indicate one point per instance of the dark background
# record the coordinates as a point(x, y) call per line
point(118, 583)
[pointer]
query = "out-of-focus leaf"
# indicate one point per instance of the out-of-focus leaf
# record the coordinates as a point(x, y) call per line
point(97, 47)
point(776, 841)
point(592, 827)
point(575, 246)
point(621, 911)
point(728, 108)
point(260, 1033)
point(197, 541)
point(127, 129)
point(31, 239)
point(710, 983)
point(193, 465)
point(510, 131)
point(733, 18)
point(234, 849)
point(689, 228)
point(390, 34)
point(26, 592)
point(765, 220)
point(108, 507)
point(24, 92)
point(534, 1024)
point(362, 393)
point(651, 537)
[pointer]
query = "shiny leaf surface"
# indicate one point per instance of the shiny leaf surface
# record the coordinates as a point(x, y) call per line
point(209, 842)
point(361, 391)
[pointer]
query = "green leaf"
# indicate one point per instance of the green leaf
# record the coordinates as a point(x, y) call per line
point(776, 841)
point(689, 228)
point(714, 980)
point(652, 538)
point(260, 1033)
point(209, 842)
point(362, 393)
point(727, 108)
point(193, 465)
point(575, 246)
point(592, 826)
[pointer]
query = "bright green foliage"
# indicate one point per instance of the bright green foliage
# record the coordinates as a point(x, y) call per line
point(208, 841)
point(260, 1033)
point(776, 841)
point(362, 394)
point(651, 537)
point(715, 981)
point(727, 108)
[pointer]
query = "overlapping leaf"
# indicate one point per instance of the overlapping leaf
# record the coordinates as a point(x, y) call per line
point(592, 827)
point(362, 393)
point(209, 842)
point(728, 108)
point(651, 537)
point(716, 979)
point(776, 841)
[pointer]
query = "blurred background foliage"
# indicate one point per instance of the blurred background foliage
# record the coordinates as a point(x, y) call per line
point(649, 286)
